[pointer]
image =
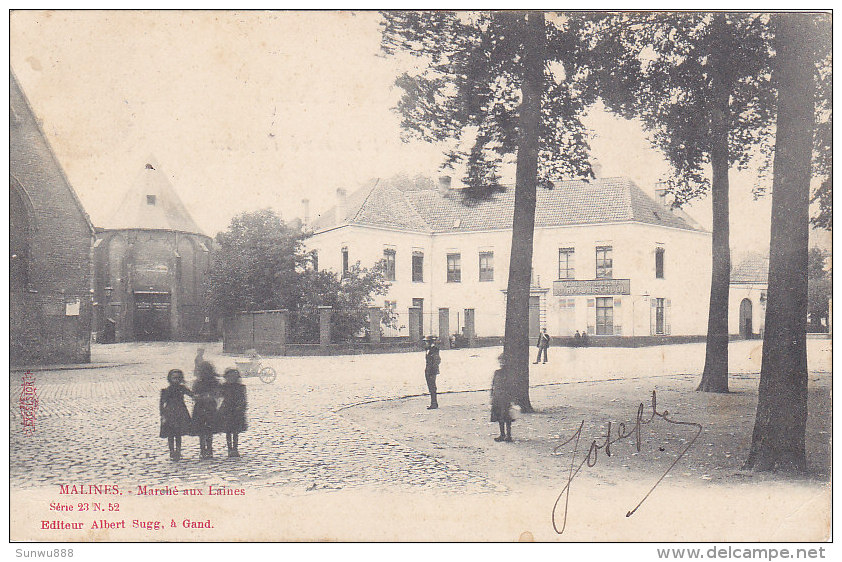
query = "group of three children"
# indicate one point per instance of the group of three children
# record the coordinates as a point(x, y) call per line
point(217, 408)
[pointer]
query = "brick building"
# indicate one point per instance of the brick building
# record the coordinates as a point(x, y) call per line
point(50, 239)
point(151, 263)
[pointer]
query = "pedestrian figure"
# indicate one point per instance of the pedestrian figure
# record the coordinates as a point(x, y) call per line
point(232, 411)
point(543, 345)
point(431, 369)
point(205, 422)
point(175, 419)
point(584, 339)
point(501, 401)
point(577, 339)
point(200, 358)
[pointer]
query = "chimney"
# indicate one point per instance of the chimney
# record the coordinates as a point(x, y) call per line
point(662, 193)
point(305, 204)
point(596, 166)
point(444, 184)
point(341, 196)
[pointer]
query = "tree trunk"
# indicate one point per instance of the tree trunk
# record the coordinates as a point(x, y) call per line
point(715, 374)
point(780, 424)
point(516, 342)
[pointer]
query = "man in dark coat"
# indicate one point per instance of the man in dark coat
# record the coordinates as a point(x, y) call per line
point(431, 369)
point(543, 344)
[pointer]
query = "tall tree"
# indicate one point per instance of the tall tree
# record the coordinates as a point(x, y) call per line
point(256, 266)
point(778, 440)
point(499, 84)
point(700, 83)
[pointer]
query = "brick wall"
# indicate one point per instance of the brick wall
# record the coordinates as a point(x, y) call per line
point(50, 317)
point(169, 262)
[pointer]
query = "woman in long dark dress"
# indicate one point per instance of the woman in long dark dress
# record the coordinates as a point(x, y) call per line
point(501, 401)
point(175, 419)
point(205, 418)
point(232, 411)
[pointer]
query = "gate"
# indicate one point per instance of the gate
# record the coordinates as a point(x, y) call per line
point(151, 316)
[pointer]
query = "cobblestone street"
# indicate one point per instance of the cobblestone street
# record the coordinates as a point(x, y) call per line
point(305, 435)
point(101, 424)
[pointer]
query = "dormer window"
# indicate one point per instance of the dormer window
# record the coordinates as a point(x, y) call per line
point(150, 199)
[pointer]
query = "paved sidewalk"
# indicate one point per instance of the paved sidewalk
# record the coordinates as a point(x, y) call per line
point(63, 367)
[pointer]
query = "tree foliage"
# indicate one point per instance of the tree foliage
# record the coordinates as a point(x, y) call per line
point(467, 88)
point(499, 86)
point(823, 137)
point(261, 264)
point(257, 264)
point(819, 290)
point(674, 70)
point(350, 297)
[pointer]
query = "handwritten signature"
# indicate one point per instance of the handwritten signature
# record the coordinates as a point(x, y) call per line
point(605, 443)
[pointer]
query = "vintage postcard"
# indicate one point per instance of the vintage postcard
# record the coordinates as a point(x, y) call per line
point(372, 276)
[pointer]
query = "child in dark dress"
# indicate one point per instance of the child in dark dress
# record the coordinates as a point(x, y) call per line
point(175, 419)
point(205, 418)
point(232, 412)
point(501, 402)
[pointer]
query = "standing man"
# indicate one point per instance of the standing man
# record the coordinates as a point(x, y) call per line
point(543, 344)
point(431, 370)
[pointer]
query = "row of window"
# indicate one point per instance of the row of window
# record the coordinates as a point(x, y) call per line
point(604, 262)
point(602, 321)
point(605, 324)
point(454, 265)
point(486, 267)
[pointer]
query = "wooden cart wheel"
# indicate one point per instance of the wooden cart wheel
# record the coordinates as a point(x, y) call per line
point(267, 375)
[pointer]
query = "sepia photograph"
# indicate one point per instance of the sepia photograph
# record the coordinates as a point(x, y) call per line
point(389, 276)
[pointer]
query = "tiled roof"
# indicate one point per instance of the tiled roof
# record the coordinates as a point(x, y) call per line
point(417, 205)
point(165, 212)
point(751, 267)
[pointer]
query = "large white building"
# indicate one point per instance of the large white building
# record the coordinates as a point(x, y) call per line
point(608, 259)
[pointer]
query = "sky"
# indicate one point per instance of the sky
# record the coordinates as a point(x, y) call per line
point(248, 110)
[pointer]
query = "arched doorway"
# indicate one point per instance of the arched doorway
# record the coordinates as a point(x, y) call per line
point(746, 329)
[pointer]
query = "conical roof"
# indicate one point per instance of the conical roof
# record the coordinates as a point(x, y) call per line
point(152, 204)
